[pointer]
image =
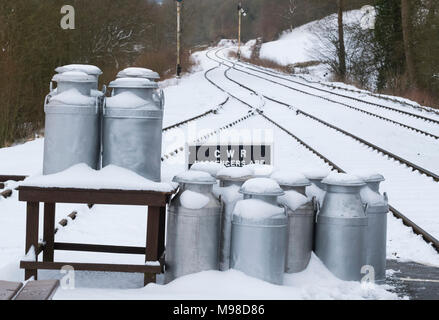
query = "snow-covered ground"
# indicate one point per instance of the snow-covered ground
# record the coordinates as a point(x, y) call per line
point(125, 225)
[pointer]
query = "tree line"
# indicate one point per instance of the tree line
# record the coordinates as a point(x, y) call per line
point(114, 34)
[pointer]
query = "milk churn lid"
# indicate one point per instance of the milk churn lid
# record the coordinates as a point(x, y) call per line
point(370, 176)
point(86, 68)
point(234, 174)
point(262, 187)
point(138, 73)
point(343, 179)
point(73, 76)
point(290, 179)
point(134, 83)
point(194, 177)
point(316, 173)
point(208, 166)
point(260, 170)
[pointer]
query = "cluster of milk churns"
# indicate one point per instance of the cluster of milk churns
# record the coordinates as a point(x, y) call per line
point(85, 126)
point(267, 223)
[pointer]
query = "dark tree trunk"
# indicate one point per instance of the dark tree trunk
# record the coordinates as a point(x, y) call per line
point(406, 31)
point(341, 49)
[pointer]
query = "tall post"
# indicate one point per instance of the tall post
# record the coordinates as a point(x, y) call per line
point(239, 30)
point(179, 37)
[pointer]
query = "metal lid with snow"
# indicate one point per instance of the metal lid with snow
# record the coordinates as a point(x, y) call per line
point(73, 76)
point(194, 177)
point(235, 174)
point(138, 83)
point(260, 170)
point(316, 173)
point(262, 187)
point(208, 166)
point(370, 176)
point(138, 73)
point(290, 179)
point(86, 68)
point(343, 179)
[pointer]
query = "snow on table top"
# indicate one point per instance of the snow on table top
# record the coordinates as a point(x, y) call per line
point(207, 166)
point(111, 177)
point(290, 178)
point(262, 186)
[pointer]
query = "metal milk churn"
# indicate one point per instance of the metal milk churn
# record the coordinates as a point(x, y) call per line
point(193, 227)
point(78, 80)
point(301, 217)
point(376, 235)
point(341, 227)
point(231, 179)
point(132, 127)
point(72, 124)
point(259, 231)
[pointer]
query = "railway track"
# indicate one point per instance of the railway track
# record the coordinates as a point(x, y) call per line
point(281, 76)
point(410, 164)
point(423, 132)
point(416, 228)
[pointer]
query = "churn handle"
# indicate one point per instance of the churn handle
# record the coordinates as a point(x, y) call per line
point(386, 197)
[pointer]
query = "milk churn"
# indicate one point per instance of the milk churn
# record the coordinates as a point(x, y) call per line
point(132, 127)
point(138, 73)
point(231, 179)
point(193, 228)
point(376, 235)
point(72, 126)
point(341, 227)
point(301, 215)
point(259, 231)
point(88, 69)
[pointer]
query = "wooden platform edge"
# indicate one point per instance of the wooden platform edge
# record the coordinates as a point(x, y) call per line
point(8, 289)
point(38, 290)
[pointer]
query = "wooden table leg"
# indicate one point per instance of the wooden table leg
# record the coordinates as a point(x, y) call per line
point(32, 223)
point(155, 239)
point(49, 231)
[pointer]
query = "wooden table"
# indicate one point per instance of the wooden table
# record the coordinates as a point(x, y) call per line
point(155, 240)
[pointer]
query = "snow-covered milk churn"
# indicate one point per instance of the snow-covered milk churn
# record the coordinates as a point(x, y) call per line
point(301, 215)
point(72, 123)
point(231, 179)
point(341, 227)
point(376, 235)
point(88, 69)
point(132, 127)
point(317, 188)
point(259, 231)
point(193, 230)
